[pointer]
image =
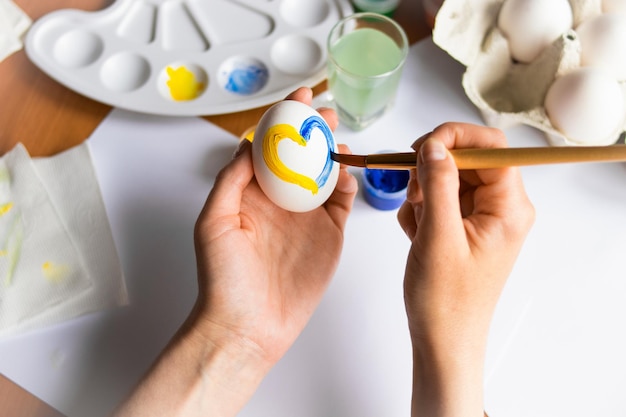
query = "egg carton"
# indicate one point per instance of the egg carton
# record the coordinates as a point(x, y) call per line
point(509, 93)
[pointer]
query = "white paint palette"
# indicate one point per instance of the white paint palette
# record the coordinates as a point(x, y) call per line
point(187, 57)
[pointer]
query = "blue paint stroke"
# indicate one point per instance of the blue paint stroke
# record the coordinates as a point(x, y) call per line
point(247, 80)
point(316, 122)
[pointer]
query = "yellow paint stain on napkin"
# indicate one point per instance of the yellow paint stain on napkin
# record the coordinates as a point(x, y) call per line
point(55, 273)
point(5, 208)
point(12, 249)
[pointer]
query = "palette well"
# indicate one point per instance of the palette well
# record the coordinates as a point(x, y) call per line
point(187, 57)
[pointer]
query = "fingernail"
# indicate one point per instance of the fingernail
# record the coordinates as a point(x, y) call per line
point(419, 140)
point(433, 150)
point(243, 145)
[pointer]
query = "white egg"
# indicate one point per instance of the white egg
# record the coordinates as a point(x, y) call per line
point(586, 105)
point(532, 25)
point(291, 156)
point(603, 43)
point(610, 6)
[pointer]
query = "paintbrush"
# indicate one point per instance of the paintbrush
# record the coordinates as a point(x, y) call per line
point(482, 158)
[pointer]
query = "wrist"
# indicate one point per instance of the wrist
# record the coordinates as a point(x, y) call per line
point(447, 378)
point(204, 370)
point(226, 359)
point(213, 338)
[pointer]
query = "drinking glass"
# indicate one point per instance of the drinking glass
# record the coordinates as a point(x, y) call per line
point(366, 54)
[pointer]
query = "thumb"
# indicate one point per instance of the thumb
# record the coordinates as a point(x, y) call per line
point(438, 178)
point(224, 200)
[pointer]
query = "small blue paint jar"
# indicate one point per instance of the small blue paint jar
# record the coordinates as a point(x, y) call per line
point(385, 189)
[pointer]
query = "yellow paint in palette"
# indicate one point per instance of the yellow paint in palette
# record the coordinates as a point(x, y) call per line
point(183, 84)
point(271, 140)
point(55, 273)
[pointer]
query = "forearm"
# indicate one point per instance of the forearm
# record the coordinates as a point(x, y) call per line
point(203, 372)
point(447, 381)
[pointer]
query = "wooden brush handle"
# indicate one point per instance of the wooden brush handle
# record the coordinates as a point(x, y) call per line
point(504, 157)
point(483, 158)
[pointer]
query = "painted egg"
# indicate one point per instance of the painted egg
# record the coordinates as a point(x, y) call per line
point(587, 106)
point(531, 25)
point(291, 156)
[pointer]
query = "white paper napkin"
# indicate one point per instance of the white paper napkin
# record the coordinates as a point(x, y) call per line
point(13, 25)
point(57, 256)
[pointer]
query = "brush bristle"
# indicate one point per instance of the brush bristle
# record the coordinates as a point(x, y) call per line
point(351, 160)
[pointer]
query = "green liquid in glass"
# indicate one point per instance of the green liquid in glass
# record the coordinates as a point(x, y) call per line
point(364, 77)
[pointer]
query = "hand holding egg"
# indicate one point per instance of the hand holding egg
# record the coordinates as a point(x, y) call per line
point(291, 156)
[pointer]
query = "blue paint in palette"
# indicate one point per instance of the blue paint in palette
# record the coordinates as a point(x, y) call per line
point(246, 80)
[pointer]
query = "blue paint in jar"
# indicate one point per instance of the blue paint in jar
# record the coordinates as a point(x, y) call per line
point(385, 189)
point(388, 181)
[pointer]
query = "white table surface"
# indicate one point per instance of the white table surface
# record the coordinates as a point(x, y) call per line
point(557, 342)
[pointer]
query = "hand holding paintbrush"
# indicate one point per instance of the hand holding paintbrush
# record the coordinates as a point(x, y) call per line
point(466, 229)
point(481, 158)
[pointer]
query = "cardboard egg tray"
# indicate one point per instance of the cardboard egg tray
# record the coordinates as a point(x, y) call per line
point(505, 92)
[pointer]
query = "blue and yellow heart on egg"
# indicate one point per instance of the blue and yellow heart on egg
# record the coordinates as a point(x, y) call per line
point(276, 133)
point(291, 154)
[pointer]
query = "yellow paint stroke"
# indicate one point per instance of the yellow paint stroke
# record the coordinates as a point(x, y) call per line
point(54, 272)
point(183, 84)
point(272, 138)
point(249, 133)
point(5, 208)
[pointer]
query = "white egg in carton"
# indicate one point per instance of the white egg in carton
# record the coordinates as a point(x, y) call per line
point(508, 92)
point(232, 54)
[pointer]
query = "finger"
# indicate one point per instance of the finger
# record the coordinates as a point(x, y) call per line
point(500, 193)
point(503, 186)
point(438, 178)
point(303, 94)
point(505, 198)
point(413, 193)
point(407, 217)
point(339, 204)
point(465, 135)
point(330, 116)
point(224, 200)
point(418, 142)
